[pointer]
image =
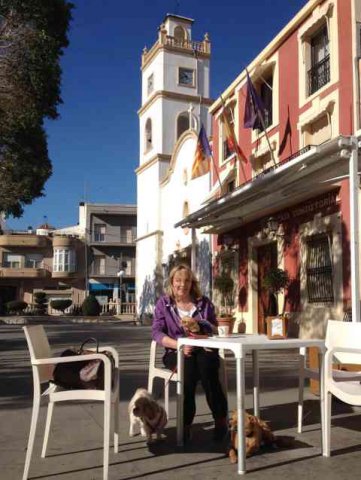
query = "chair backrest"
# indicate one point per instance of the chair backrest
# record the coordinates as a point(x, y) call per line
point(153, 357)
point(39, 348)
point(347, 335)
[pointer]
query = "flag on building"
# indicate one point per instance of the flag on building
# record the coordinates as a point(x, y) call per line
point(254, 112)
point(231, 137)
point(203, 155)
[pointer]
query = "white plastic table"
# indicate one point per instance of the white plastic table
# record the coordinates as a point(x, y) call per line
point(240, 345)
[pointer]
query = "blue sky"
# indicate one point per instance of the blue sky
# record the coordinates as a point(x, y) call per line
point(94, 144)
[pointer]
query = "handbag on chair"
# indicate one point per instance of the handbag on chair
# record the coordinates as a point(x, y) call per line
point(84, 374)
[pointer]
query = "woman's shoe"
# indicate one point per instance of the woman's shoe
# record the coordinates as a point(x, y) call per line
point(187, 434)
point(220, 429)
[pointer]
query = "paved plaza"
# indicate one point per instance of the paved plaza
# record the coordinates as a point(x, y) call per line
point(75, 444)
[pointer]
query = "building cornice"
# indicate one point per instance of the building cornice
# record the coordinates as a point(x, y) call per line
point(159, 157)
point(180, 97)
point(267, 51)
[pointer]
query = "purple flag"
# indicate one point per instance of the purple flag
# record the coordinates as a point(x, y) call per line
point(254, 112)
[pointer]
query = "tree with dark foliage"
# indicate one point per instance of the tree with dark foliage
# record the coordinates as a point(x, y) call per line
point(33, 35)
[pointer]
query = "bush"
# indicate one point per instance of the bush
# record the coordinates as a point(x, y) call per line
point(16, 306)
point(2, 308)
point(41, 303)
point(75, 310)
point(91, 306)
point(60, 304)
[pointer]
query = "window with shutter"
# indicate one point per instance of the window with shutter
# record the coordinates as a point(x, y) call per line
point(319, 271)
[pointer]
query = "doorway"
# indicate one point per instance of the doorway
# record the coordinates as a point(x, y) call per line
point(267, 303)
point(7, 294)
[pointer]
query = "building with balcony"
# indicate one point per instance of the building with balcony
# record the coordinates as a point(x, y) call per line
point(288, 204)
point(109, 231)
point(41, 260)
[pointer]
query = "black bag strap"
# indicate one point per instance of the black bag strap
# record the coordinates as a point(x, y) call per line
point(88, 340)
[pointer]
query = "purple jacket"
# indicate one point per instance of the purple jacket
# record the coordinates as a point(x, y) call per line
point(166, 321)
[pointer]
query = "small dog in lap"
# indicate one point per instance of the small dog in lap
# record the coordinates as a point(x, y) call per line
point(146, 415)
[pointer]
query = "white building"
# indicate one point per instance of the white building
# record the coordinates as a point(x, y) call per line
point(175, 100)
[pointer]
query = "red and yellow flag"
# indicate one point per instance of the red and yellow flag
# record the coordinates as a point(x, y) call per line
point(202, 157)
point(231, 138)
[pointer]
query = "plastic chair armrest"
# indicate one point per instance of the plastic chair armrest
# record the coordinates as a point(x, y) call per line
point(344, 350)
point(72, 358)
point(110, 349)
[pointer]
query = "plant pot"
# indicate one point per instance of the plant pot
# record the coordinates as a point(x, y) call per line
point(241, 327)
point(226, 321)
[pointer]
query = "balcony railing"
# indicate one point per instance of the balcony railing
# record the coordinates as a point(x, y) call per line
point(114, 239)
point(319, 75)
point(111, 272)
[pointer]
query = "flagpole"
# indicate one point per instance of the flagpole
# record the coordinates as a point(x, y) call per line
point(260, 116)
point(239, 160)
point(217, 174)
point(212, 158)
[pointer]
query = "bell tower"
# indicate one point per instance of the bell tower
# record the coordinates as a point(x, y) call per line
point(175, 98)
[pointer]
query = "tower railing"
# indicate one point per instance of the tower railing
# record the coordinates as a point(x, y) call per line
point(203, 47)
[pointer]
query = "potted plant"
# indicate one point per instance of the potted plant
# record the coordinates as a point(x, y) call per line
point(274, 281)
point(225, 284)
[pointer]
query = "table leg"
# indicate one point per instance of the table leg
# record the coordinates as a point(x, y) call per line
point(240, 413)
point(255, 383)
point(322, 397)
point(180, 394)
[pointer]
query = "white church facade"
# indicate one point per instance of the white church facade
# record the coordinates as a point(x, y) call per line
point(175, 101)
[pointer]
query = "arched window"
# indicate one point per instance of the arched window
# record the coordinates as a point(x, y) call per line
point(182, 123)
point(148, 134)
point(179, 34)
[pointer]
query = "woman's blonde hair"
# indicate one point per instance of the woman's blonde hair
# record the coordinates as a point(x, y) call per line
point(195, 291)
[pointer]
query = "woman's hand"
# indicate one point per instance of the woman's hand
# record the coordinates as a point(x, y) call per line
point(187, 350)
point(198, 335)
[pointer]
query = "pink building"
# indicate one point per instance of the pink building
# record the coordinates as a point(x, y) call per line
point(288, 206)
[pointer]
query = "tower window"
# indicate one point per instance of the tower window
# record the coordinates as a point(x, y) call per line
point(179, 35)
point(182, 123)
point(186, 77)
point(148, 135)
point(150, 85)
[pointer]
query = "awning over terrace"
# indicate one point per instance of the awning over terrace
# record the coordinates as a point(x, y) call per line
point(315, 170)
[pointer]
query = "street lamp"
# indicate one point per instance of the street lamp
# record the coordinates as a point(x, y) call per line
point(120, 275)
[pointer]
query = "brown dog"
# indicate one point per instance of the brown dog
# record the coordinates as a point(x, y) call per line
point(257, 433)
point(190, 325)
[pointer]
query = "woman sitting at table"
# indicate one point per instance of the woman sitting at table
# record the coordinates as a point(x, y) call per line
point(184, 300)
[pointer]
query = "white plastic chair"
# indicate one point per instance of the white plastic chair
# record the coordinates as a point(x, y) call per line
point(158, 372)
point(314, 374)
point(167, 376)
point(343, 344)
point(43, 365)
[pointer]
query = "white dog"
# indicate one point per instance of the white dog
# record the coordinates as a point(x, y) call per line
point(146, 413)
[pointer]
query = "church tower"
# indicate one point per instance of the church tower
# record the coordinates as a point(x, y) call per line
point(175, 98)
